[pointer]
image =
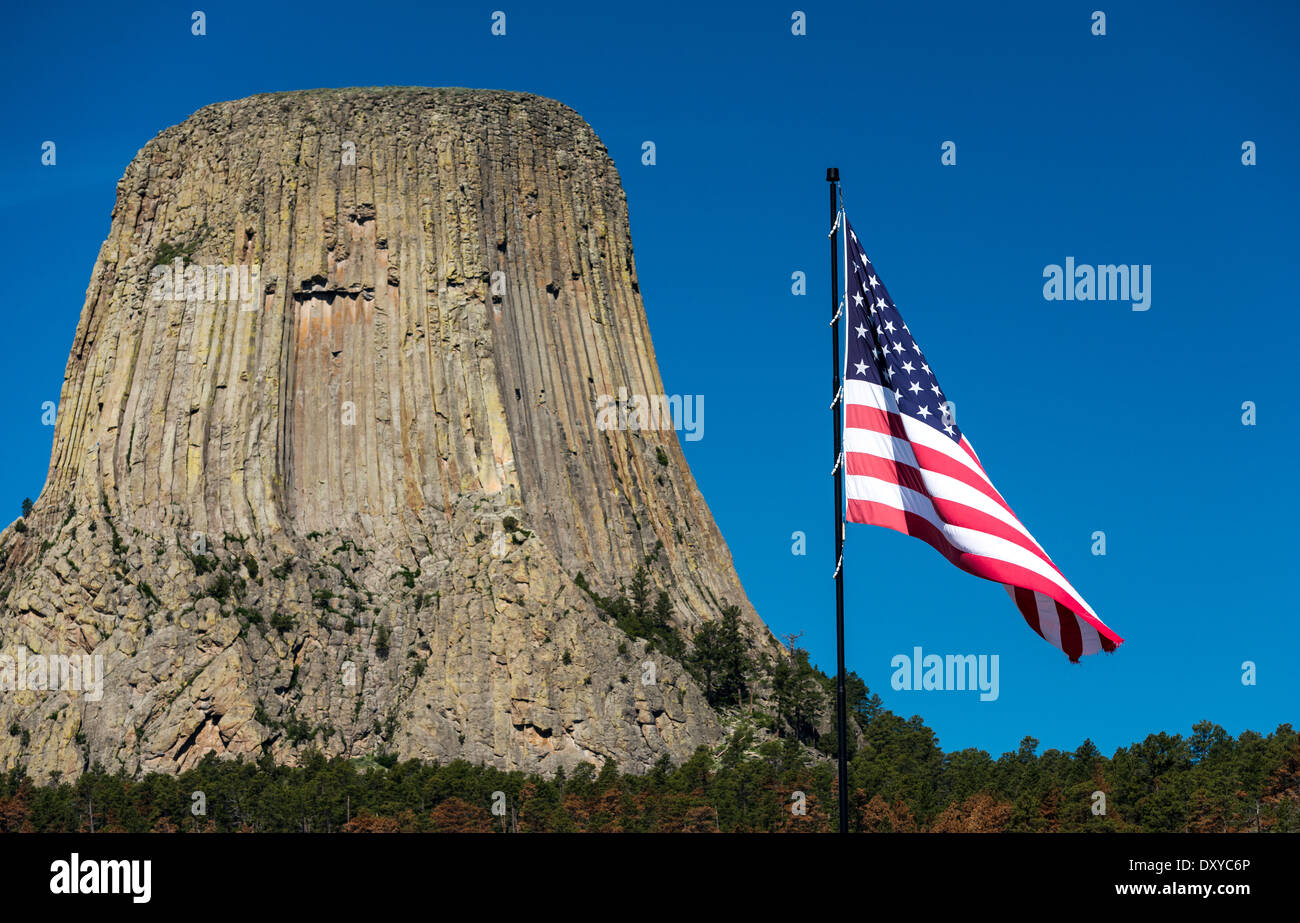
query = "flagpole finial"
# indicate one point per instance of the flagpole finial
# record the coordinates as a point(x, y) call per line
point(832, 174)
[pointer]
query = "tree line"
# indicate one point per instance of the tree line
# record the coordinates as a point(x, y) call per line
point(774, 771)
point(900, 781)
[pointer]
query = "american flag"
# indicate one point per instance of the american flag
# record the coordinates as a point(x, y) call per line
point(907, 466)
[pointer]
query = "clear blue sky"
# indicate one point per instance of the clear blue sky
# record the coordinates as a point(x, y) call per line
point(1089, 416)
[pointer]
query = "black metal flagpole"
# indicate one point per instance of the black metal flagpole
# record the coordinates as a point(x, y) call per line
point(841, 716)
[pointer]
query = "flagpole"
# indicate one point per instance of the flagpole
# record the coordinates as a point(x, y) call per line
point(841, 717)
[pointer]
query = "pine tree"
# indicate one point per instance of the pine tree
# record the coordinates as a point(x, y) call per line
point(640, 590)
point(720, 660)
point(799, 697)
point(455, 815)
point(663, 610)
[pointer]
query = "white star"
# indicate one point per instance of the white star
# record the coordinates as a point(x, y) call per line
point(923, 412)
point(857, 299)
point(935, 389)
point(927, 370)
point(889, 325)
point(914, 388)
point(916, 347)
point(908, 367)
point(898, 347)
point(861, 368)
point(947, 428)
point(862, 331)
point(873, 281)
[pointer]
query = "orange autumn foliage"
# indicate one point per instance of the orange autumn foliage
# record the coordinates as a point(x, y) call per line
point(980, 813)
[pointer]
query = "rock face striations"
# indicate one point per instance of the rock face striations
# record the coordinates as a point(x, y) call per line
point(327, 458)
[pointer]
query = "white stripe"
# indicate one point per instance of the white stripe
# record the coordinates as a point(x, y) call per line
point(970, 541)
point(872, 395)
point(1049, 622)
point(937, 484)
point(1091, 637)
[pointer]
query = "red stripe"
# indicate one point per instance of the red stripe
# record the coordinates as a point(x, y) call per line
point(1027, 603)
point(873, 418)
point(881, 514)
point(1071, 637)
point(879, 421)
point(950, 511)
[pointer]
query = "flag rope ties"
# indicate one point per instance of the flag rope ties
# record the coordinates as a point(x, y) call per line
point(838, 313)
